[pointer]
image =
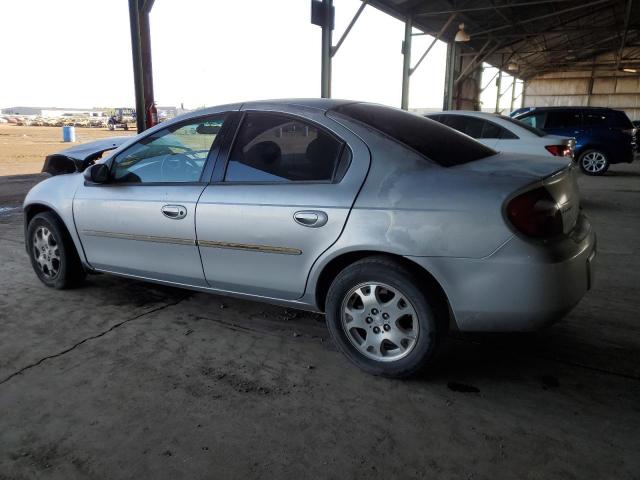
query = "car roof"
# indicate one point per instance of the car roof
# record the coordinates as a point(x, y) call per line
point(534, 109)
point(470, 113)
point(321, 104)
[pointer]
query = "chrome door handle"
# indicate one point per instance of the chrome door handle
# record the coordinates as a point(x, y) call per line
point(311, 218)
point(174, 212)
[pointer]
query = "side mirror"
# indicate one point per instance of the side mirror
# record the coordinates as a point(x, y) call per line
point(98, 173)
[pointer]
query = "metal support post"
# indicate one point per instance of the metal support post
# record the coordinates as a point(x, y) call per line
point(145, 50)
point(513, 94)
point(327, 28)
point(449, 78)
point(498, 94)
point(406, 62)
point(136, 51)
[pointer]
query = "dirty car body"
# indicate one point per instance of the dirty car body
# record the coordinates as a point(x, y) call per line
point(306, 203)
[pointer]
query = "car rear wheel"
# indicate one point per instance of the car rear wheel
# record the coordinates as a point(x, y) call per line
point(380, 318)
point(594, 162)
point(52, 253)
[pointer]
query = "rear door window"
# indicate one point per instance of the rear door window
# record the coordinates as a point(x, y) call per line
point(563, 119)
point(468, 125)
point(492, 130)
point(275, 148)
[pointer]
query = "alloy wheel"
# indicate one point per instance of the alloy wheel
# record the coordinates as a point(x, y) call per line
point(380, 321)
point(594, 162)
point(46, 252)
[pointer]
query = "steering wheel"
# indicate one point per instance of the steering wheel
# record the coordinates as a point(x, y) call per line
point(179, 165)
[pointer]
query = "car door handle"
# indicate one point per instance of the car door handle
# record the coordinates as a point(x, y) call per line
point(174, 212)
point(311, 218)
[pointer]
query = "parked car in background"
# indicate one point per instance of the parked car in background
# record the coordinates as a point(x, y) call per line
point(603, 136)
point(636, 123)
point(505, 134)
point(395, 226)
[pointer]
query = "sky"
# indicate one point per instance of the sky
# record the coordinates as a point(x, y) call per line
point(77, 53)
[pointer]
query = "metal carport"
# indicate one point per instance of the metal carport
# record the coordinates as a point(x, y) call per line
point(567, 52)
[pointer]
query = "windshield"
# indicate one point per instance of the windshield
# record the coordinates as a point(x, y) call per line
point(431, 139)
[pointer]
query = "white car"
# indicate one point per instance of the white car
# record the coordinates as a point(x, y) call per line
point(505, 134)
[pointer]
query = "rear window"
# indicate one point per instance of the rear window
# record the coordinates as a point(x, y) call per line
point(431, 139)
point(618, 119)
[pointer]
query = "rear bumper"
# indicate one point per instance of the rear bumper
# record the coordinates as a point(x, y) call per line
point(520, 287)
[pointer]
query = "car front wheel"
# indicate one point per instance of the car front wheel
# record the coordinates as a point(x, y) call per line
point(594, 162)
point(381, 319)
point(52, 253)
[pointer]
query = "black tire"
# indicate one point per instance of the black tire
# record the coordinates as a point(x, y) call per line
point(64, 272)
point(386, 271)
point(593, 162)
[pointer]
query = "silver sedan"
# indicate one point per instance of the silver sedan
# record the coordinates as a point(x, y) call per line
point(395, 226)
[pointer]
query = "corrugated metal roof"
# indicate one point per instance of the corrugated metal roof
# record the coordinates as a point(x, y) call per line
point(538, 35)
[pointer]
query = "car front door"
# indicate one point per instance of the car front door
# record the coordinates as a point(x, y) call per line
point(279, 201)
point(142, 221)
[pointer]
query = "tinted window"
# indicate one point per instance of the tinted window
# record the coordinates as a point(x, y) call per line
point(427, 137)
point(174, 154)
point(476, 127)
point(277, 148)
point(535, 120)
point(526, 124)
point(563, 119)
point(616, 118)
point(595, 119)
point(491, 130)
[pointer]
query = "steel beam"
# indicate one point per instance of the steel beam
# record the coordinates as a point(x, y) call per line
point(542, 17)
point(627, 16)
point(145, 50)
point(406, 62)
point(353, 21)
point(325, 68)
point(499, 87)
point(136, 51)
point(475, 61)
point(480, 9)
point(513, 93)
point(435, 39)
point(447, 103)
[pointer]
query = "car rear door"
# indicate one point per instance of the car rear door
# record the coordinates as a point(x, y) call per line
point(280, 197)
point(142, 222)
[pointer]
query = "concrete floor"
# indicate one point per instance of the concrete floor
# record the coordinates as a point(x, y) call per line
point(121, 379)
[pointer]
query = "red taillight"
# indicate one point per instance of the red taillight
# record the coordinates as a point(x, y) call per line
point(559, 150)
point(536, 214)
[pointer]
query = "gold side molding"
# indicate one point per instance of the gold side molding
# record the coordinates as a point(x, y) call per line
point(139, 238)
point(201, 243)
point(250, 247)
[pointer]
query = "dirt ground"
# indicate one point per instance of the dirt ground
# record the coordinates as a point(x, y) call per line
point(125, 380)
point(23, 149)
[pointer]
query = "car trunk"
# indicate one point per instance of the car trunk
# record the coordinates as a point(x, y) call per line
point(528, 172)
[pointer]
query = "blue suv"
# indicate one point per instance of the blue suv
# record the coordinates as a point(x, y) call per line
point(603, 136)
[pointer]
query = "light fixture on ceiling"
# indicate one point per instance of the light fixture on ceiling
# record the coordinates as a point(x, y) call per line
point(630, 70)
point(512, 67)
point(461, 35)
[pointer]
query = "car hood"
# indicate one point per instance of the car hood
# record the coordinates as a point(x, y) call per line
point(533, 167)
point(79, 157)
